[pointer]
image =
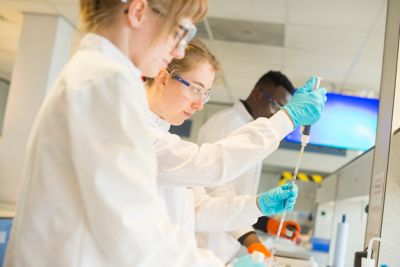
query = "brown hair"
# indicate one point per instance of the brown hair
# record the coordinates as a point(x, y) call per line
point(195, 53)
point(96, 14)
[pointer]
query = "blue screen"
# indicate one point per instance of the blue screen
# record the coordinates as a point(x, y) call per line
point(347, 122)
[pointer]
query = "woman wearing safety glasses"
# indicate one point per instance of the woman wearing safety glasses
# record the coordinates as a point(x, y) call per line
point(89, 196)
point(174, 96)
point(182, 89)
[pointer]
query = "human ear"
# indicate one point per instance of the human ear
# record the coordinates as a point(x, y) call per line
point(136, 11)
point(257, 93)
point(162, 78)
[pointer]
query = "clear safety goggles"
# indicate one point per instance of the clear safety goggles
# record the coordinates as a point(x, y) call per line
point(192, 92)
point(189, 32)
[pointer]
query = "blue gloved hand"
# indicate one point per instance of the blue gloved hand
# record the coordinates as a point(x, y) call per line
point(306, 105)
point(246, 261)
point(274, 201)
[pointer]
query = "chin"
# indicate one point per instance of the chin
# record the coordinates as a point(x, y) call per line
point(177, 122)
point(150, 72)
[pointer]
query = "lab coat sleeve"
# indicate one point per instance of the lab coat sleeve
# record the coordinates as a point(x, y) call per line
point(114, 165)
point(226, 191)
point(222, 214)
point(188, 164)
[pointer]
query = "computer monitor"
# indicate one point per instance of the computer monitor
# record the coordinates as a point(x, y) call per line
point(347, 122)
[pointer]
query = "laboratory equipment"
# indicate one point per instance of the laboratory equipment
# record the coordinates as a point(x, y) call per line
point(341, 242)
point(305, 138)
point(369, 261)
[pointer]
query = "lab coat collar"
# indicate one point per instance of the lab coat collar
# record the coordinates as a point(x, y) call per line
point(242, 111)
point(157, 122)
point(97, 42)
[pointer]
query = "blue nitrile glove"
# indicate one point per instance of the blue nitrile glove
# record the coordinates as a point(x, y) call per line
point(274, 201)
point(306, 105)
point(246, 261)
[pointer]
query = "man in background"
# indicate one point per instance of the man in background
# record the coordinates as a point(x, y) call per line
point(271, 92)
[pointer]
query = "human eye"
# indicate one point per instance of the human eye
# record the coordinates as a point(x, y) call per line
point(196, 90)
point(178, 33)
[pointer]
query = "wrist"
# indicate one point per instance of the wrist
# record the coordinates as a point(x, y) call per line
point(248, 238)
point(288, 115)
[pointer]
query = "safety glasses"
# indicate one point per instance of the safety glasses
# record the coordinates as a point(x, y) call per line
point(274, 103)
point(188, 29)
point(189, 32)
point(192, 92)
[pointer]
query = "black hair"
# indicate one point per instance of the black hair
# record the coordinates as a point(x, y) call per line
point(276, 78)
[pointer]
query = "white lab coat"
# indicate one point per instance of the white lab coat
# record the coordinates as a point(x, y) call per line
point(89, 194)
point(184, 164)
point(220, 125)
point(194, 209)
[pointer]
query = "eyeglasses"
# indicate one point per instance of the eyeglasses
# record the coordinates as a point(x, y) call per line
point(182, 40)
point(189, 32)
point(274, 103)
point(193, 92)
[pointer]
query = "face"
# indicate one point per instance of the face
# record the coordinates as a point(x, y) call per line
point(175, 106)
point(269, 100)
point(150, 56)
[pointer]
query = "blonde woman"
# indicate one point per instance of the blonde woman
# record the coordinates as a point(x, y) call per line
point(174, 95)
point(89, 194)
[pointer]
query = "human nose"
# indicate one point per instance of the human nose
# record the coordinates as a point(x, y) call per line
point(198, 104)
point(178, 52)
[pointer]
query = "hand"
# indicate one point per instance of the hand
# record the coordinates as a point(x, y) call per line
point(274, 201)
point(290, 229)
point(306, 105)
point(247, 261)
point(260, 248)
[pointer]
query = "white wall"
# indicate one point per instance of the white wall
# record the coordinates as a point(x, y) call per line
point(324, 220)
point(327, 191)
point(3, 100)
point(390, 246)
point(44, 48)
point(396, 113)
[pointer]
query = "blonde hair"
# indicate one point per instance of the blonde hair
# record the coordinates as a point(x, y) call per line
point(96, 14)
point(195, 53)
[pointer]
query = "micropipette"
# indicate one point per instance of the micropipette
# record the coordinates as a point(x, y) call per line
point(305, 138)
